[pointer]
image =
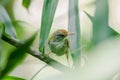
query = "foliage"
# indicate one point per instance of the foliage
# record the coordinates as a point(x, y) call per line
point(101, 32)
point(26, 3)
point(100, 23)
point(16, 57)
point(74, 26)
point(1, 30)
point(47, 19)
point(4, 18)
point(4, 2)
point(12, 78)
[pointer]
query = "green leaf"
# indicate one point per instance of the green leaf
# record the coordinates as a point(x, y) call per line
point(12, 78)
point(101, 30)
point(4, 18)
point(74, 26)
point(4, 2)
point(26, 3)
point(17, 56)
point(20, 27)
point(89, 16)
point(1, 30)
point(48, 13)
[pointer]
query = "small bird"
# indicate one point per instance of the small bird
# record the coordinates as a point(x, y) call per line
point(59, 43)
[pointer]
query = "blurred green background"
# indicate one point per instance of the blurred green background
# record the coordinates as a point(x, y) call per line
point(99, 25)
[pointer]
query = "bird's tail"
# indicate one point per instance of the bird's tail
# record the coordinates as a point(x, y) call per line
point(68, 61)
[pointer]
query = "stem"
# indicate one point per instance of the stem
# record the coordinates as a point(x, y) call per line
point(53, 63)
point(38, 72)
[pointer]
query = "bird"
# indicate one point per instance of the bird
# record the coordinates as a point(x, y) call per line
point(59, 43)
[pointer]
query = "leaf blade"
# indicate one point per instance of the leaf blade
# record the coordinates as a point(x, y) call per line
point(101, 29)
point(4, 18)
point(26, 3)
point(1, 30)
point(12, 78)
point(74, 26)
point(17, 56)
point(4, 2)
point(89, 16)
point(46, 22)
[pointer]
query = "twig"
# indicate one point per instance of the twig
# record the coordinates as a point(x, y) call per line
point(53, 63)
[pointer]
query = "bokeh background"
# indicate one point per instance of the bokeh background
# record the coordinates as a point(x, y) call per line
point(33, 17)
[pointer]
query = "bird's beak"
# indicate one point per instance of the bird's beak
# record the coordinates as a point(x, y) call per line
point(71, 33)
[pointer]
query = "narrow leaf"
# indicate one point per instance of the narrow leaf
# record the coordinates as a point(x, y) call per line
point(26, 3)
point(101, 30)
point(17, 56)
point(48, 13)
point(4, 18)
point(4, 2)
point(12, 78)
point(74, 26)
point(89, 16)
point(1, 30)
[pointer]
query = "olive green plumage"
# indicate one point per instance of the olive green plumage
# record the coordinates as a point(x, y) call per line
point(58, 42)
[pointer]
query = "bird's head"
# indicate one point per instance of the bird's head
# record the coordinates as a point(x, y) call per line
point(61, 34)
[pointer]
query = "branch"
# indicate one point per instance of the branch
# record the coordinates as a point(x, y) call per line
point(53, 63)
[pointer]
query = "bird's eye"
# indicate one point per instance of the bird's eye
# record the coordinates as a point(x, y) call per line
point(60, 35)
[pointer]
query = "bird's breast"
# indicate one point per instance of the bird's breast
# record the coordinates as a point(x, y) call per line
point(59, 48)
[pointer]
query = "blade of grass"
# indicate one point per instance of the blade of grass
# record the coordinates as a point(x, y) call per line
point(101, 30)
point(4, 18)
point(12, 78)
point(74, 26)
point(4, 2)
point(26, 3)
point(89, 16)
point(38, 72)
point(1, 30)
point(17, 56)
point(48, 13)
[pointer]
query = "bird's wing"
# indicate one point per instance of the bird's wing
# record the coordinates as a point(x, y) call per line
point(50, 39)
point(67, 51)
point(67, 43)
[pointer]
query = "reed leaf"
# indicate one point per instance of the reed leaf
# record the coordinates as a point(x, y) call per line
point(5, 19)
point(16, 56)
point(74, 26)
point(26, 3)
point(101, 29)
point(12, 78)
point(48, 13)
